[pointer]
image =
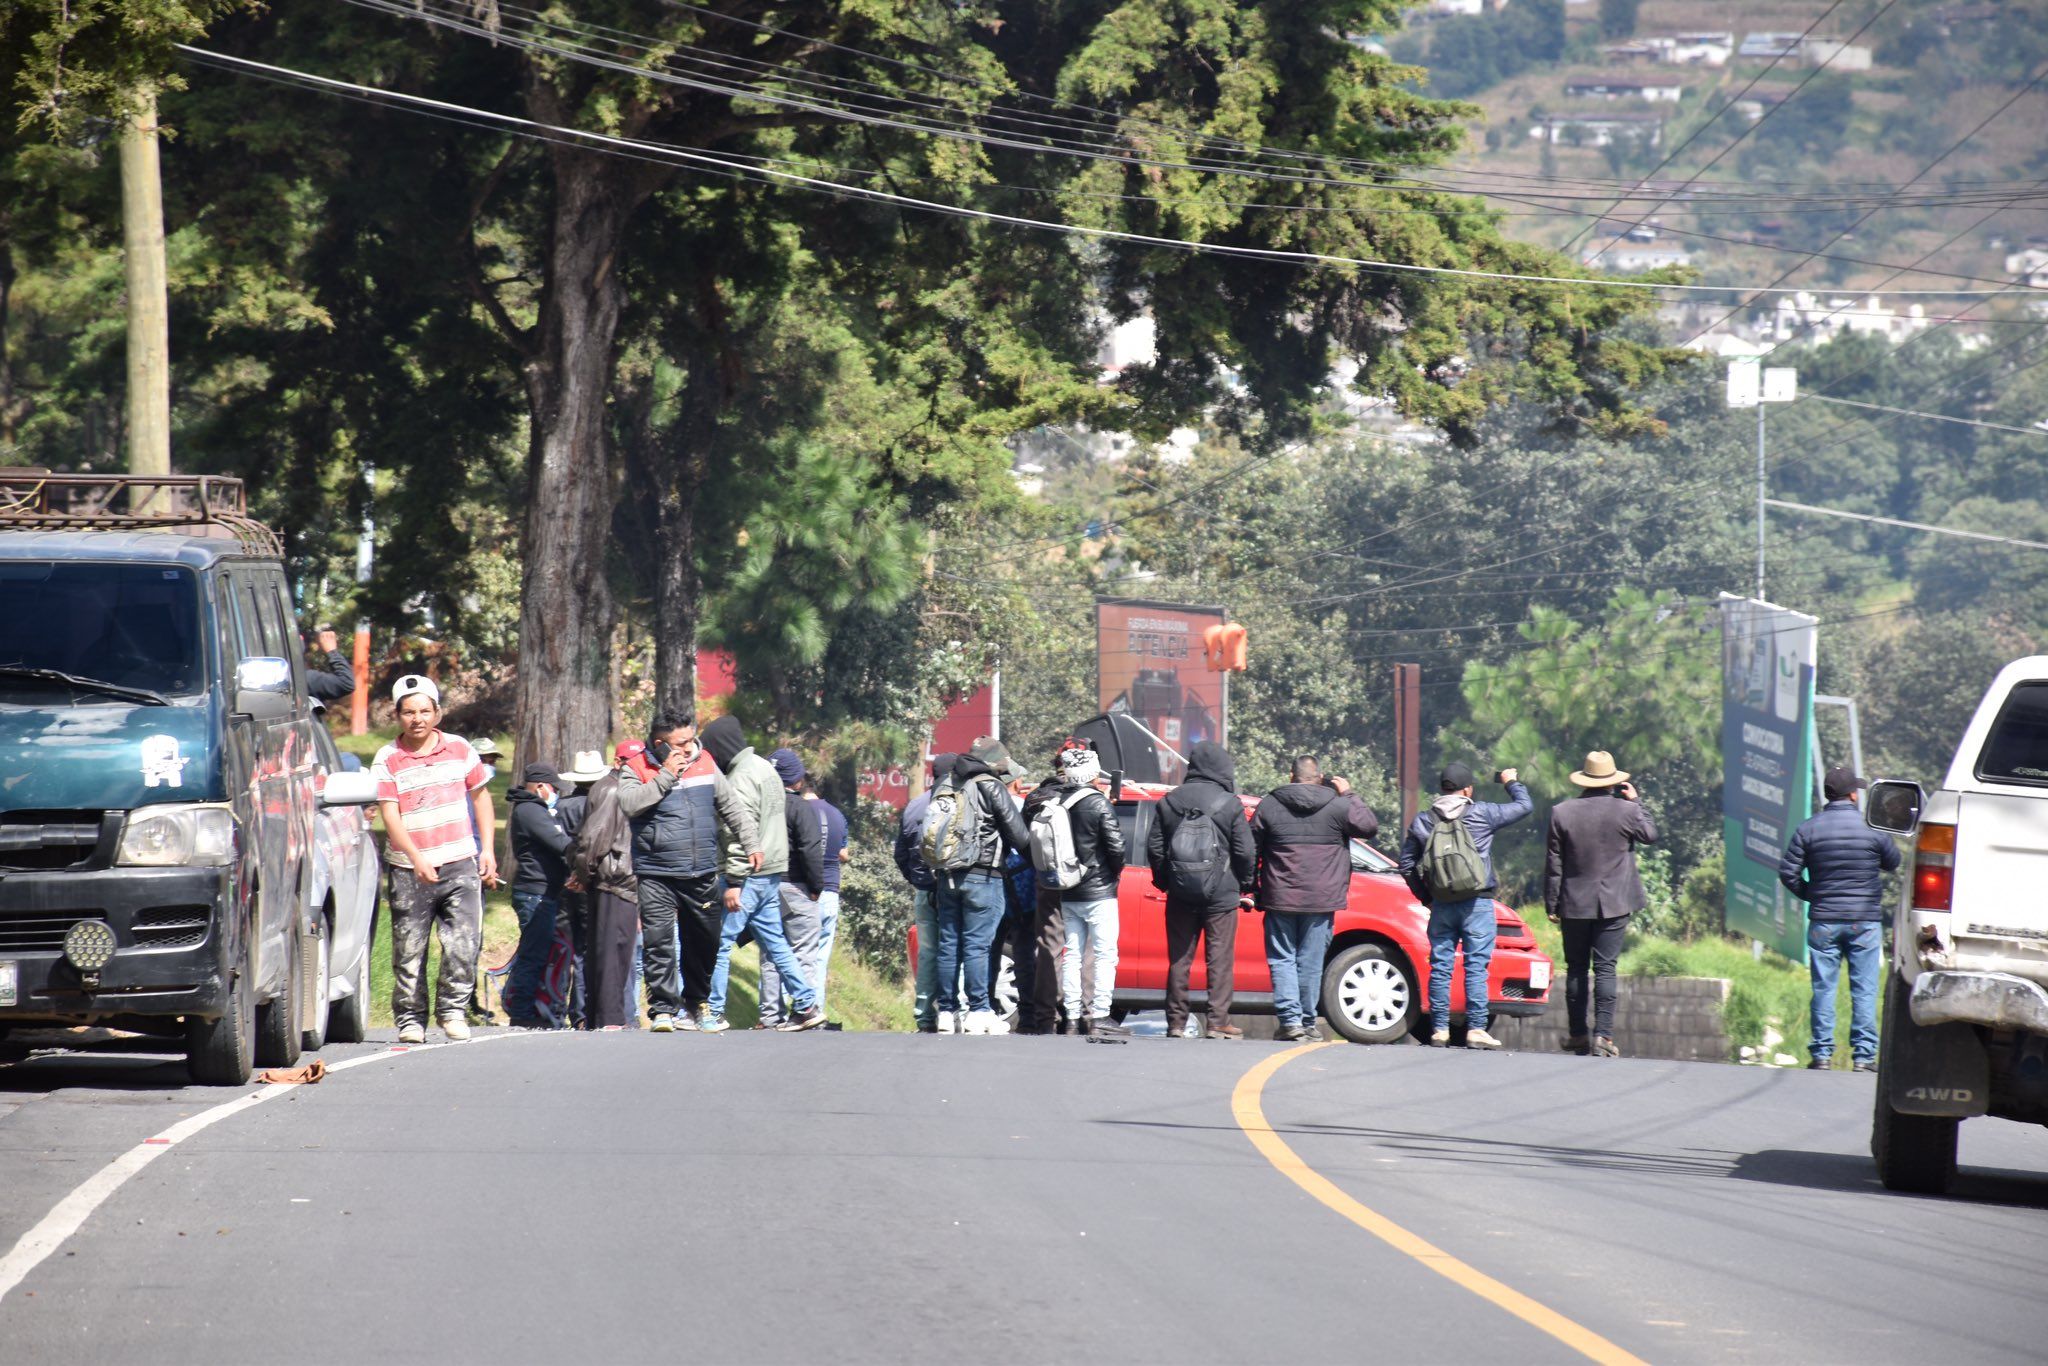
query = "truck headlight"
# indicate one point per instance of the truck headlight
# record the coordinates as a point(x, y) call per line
point(178, 837)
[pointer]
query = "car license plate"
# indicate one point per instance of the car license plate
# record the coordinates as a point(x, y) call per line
point(1539, 976)
point(10, 983)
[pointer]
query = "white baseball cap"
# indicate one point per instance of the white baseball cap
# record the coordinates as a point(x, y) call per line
point(409, 685)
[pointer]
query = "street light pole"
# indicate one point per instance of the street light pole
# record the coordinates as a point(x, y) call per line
point(1752, 386)
point(1760, 492)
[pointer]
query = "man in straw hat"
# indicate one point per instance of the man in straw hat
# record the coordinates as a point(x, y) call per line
point(1591, 888)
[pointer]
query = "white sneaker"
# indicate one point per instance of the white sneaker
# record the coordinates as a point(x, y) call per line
point(1479, 1038)
point(948, 1022)
point(1440, 1039)
point(412, 1033)
point(457, 1029)
point(664, 1024)
point(985, 1022)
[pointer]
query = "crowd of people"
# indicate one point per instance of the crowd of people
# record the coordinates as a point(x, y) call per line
point(649, 871)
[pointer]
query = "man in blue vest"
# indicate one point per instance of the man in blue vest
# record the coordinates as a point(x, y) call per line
point(674, 796)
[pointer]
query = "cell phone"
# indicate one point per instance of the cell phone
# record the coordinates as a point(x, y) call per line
point(658, 752)
point(1116, 784)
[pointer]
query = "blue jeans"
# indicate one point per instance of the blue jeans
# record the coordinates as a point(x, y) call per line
point(1827, 943)
point(924, 914)
point(761, 911)
point(1295, 948)
point(1452, 923)
point(536, 914)
point(969, 909)
point(828, 930)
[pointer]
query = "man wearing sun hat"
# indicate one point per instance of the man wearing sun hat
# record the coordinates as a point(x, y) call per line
point(1591, 888)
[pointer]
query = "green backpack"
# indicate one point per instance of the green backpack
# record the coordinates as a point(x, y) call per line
point(1450, 864)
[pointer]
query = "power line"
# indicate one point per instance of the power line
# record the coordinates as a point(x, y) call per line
point(453, 17)
point(1933, 417)
point(1910, 526)
point(691, 156)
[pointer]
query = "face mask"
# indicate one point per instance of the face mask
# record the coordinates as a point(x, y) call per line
point(552, 798)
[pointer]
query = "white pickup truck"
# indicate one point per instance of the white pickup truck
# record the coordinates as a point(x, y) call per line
point(1966, 1005)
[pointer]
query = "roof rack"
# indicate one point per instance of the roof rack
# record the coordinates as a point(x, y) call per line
point(194, 504)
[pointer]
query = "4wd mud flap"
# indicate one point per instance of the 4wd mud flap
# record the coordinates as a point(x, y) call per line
point(1997, 1000)
point(1938, 1069)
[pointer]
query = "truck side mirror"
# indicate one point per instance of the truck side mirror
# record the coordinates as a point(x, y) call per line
point(349, 789)
point(1893, 806)
point(263, 687)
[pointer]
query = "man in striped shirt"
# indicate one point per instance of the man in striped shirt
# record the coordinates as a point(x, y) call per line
point(428, 785)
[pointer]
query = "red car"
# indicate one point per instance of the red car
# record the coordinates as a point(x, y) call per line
point(1376, 979)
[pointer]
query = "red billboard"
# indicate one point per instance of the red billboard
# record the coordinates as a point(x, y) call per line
point(1149, 666)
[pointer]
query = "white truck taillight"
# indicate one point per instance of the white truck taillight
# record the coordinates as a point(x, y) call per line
point(1934, 867)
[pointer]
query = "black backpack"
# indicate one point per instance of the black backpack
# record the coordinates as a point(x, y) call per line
point(1195, 852)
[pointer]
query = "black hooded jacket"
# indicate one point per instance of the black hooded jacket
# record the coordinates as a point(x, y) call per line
point(1304, 833)
point(909, 861)
point(723, 740)
point(1211, 786)
point(1098, 839)
point(540, 846)
point(1003, 824)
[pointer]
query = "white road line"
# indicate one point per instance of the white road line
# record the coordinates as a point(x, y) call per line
point(70, 1213)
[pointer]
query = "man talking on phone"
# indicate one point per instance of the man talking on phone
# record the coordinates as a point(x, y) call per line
point(1591, 888)
point(675, 798)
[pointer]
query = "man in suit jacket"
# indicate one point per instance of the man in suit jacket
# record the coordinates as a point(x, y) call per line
point(1591, 888)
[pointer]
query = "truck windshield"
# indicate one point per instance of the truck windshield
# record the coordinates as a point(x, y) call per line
point(2016, 751)
point(125, 625)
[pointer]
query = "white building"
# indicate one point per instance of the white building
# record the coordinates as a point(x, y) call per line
point(2029, 267)
point(1630, 258)
point(1444, 9)
point(1649, 89)
point(1769, 45)
point(1599, 130)
point(1834, 54)
point(1132, 342)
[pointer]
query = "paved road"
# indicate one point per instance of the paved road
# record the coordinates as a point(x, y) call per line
point(847, 1198)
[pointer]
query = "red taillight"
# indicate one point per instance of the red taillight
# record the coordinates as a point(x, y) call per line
point(1934, 868)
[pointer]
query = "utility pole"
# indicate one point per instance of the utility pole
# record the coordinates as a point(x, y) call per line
point(1752, 386)
point(366, 550)
point(1408, 739)
point(149, 333)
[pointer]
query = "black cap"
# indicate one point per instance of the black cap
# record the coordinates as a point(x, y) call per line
point(1456, 777)
point(541, 773)
point(1840, 781)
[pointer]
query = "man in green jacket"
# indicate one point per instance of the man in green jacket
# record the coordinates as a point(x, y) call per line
point(753, 895)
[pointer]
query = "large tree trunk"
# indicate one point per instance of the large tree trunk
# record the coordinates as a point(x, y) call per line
point(566, 611)
point(675, 602)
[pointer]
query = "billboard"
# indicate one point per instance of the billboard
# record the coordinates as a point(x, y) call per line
point(1767, 657)
point(1149, 667)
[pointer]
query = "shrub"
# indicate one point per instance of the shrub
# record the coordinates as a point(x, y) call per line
point(874, 900)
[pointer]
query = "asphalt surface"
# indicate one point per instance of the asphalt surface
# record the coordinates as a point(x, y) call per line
point(849, 1198)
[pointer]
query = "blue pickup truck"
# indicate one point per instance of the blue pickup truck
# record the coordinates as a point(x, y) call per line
point(160, 781)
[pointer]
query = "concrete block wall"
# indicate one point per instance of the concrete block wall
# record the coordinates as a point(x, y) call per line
point(1677, 1018)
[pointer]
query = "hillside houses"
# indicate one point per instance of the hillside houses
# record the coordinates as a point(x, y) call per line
point(1678, 49)
point(1807, 316)
point(1794, 49)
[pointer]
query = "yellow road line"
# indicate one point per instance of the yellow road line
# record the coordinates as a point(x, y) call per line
point(1251, 1117)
